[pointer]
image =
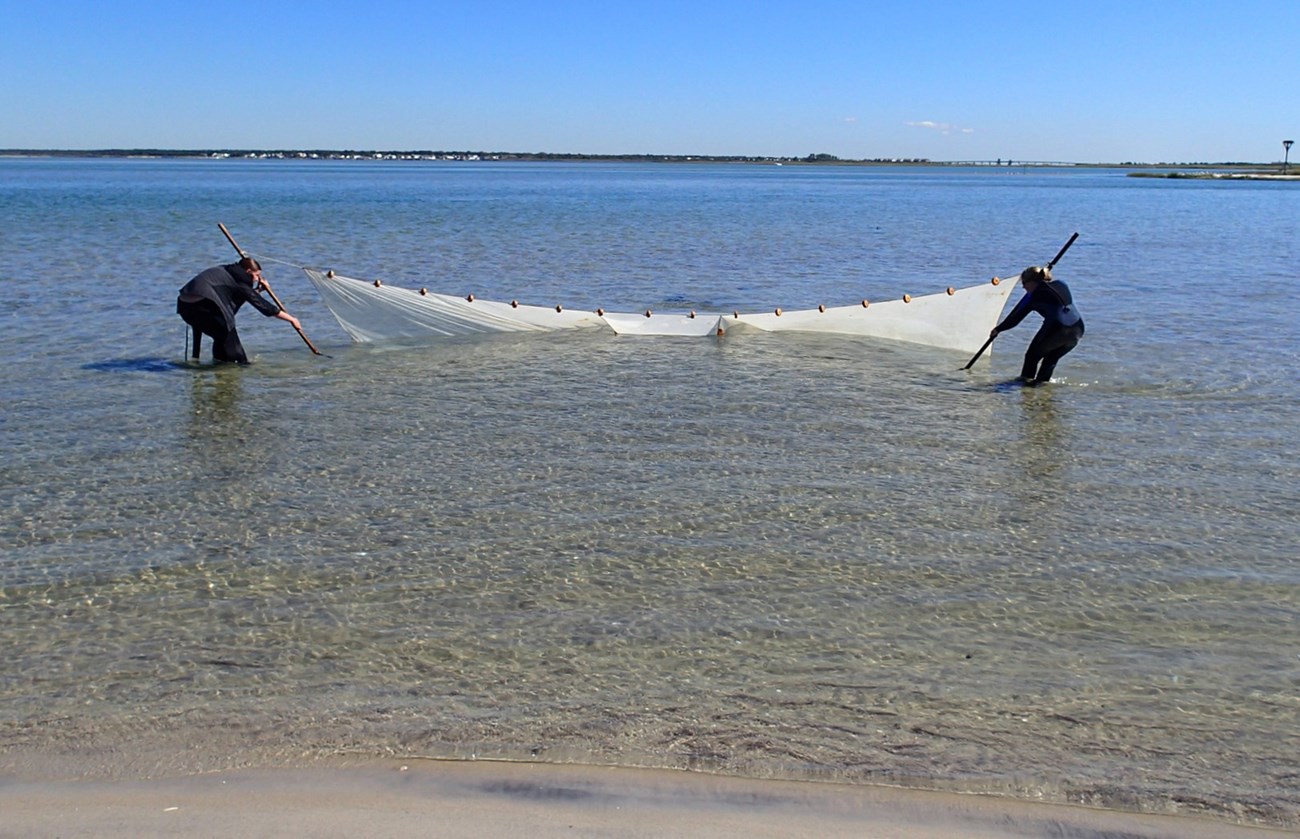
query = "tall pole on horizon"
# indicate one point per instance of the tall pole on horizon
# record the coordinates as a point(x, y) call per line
point(1286, 147)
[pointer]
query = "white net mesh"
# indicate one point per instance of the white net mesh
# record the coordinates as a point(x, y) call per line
point(956, 319)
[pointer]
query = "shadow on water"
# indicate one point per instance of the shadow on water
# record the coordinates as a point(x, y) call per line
point(1010, 386)
point(142, 365)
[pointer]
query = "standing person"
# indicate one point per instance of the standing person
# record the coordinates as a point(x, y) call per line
point(208, 303)
point(1062, 324)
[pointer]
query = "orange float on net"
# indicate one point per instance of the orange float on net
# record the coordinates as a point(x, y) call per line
point(996, 280)
point(951, 291)
point(907, 298)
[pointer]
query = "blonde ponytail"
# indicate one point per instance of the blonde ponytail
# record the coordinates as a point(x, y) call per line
point(1036, 274)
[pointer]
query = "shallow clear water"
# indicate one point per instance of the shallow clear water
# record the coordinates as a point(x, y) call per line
point(773, 555)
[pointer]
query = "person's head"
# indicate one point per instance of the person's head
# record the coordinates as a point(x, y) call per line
point(253, 268)
point(1032, 276)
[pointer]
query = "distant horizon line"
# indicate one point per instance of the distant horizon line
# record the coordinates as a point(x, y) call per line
point(477, 156)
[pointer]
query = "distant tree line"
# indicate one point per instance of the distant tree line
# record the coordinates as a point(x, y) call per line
point(425, 154)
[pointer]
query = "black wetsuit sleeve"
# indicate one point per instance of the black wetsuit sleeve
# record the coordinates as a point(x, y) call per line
point(259, 302)
point(1022, 308)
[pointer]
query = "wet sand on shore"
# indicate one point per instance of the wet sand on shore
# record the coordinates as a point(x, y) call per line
point(487, 798)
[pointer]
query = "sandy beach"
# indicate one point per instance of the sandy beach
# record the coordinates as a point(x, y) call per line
point(486, 798)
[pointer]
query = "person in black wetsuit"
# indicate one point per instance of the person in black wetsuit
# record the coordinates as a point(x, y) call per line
point(208, 303)
point(1062, 324)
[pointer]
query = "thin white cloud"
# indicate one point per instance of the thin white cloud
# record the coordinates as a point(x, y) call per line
point(941, 127)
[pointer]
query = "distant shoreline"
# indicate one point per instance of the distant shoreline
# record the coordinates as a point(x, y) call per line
point(1269, 173)
point(481, 156)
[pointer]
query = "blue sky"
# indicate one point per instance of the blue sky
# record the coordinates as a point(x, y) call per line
point(1088, 82)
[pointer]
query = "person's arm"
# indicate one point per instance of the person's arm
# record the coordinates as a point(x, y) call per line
point(266, 307)
point(293, 321)
point(1024, 307)
point(270, 309)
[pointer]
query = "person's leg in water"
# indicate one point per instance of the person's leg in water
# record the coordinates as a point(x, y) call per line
point(1033, 355)
point(206, 319)
point(1048, 347)
point(203, 317)
point(227, 347)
